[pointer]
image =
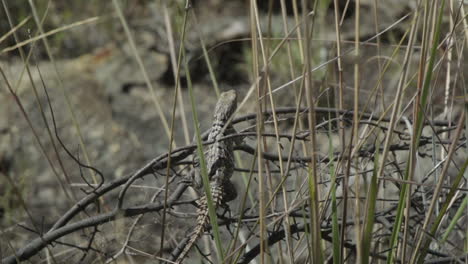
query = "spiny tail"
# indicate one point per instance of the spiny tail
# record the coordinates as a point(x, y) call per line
point(202, 220)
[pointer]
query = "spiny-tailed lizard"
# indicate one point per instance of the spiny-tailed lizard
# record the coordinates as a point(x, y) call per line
point(220, 167)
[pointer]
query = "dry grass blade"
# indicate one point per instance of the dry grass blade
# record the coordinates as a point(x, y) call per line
point(143, 69)
point(49, 33)
point(342, 149)
point(423, 242)
point(12, 31)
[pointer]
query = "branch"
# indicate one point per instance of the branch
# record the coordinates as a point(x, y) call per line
point(39, 243)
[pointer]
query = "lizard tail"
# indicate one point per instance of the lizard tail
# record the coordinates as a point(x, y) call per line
point(202, 221)
point(193, 238)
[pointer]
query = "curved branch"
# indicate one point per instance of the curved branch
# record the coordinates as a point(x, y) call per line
point(326, 110)
point(157, 163)
point(39, 243)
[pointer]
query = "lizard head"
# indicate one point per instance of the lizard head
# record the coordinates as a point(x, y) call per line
point(226, 105)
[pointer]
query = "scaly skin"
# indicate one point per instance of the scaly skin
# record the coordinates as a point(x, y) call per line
point(220, 167)
point(202, 220)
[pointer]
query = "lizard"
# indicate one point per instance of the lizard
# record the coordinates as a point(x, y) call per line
point(220, 167)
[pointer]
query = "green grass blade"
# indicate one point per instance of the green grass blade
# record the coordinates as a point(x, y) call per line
point(204, 171)
point(458, 215)
point(443, 210)
point(398, 220)
point(419, 121)
point(370, 212)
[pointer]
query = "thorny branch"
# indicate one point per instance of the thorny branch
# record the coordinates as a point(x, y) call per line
point(63, 227)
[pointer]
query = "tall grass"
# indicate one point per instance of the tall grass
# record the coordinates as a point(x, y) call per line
point(335, 148)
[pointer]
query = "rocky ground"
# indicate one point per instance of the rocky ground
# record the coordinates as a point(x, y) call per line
point(96, 80)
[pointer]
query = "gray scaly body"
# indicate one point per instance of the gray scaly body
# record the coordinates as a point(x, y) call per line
point(220, 167)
